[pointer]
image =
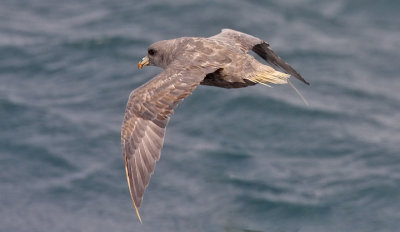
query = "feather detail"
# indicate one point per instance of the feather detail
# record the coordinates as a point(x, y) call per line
point(269, 76)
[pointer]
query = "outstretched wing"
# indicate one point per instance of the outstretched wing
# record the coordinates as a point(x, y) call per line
point(245, 42)
point(146, 117)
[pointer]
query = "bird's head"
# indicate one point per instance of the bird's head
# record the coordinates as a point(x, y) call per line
point(159, 54)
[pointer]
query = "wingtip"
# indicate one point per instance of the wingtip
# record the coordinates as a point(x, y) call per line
point(131, 193)
point(134, 205)
point(299, 77)
point(137, 212)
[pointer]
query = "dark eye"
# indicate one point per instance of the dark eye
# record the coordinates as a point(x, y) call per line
point(151, 52)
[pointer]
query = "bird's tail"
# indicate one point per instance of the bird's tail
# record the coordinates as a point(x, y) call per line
point(268, 76)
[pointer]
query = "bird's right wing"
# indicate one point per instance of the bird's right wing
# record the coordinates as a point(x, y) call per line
point(146, 117)
point(245, 42)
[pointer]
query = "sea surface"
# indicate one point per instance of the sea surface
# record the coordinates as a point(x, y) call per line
point(252, 159)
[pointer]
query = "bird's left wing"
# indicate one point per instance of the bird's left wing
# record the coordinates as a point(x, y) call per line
point(146, 117)
point(245, 42)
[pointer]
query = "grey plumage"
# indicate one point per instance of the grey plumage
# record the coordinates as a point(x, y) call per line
point(220, 60)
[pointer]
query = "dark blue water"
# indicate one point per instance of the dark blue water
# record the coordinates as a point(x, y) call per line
point(252, 159)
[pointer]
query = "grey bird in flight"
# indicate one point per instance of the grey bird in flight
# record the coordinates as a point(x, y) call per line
point(221, 60)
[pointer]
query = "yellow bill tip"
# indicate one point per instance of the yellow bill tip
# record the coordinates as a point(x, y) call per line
point(145, 61)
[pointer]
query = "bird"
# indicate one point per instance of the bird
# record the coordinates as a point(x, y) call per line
point(221, 60)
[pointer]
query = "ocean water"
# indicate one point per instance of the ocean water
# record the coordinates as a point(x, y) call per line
point(251, 159)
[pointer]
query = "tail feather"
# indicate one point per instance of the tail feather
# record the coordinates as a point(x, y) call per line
point(298, 93)
point(269, 76)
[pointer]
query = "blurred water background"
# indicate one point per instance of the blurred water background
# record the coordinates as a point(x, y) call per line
point(252, 159)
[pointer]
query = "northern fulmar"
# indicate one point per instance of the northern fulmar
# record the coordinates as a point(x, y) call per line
point(221, 60)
